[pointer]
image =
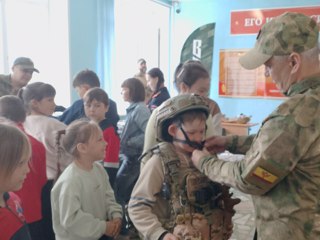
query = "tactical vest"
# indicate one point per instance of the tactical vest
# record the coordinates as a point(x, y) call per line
point(197, 204)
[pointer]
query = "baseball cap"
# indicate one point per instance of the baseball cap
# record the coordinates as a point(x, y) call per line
point(25, 63)
point(286, 33)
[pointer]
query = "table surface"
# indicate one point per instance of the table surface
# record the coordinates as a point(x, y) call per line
point(239, 124)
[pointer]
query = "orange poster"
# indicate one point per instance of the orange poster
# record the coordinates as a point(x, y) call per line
point(235, 81)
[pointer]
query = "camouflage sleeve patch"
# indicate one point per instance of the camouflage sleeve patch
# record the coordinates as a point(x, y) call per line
point(264, 175)
point(274, 152)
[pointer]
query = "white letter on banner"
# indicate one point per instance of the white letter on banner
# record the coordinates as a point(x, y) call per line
point(258, 21)
point(196, 50)
point(248, 22)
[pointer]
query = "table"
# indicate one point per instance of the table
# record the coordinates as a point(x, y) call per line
point(237, 128)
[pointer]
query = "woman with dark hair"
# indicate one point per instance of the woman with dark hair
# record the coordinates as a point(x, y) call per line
point(131, 141)
point(160, 93)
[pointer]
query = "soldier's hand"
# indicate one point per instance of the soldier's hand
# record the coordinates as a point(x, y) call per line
point(170, 236)
point(197, 155)
point(216, 144)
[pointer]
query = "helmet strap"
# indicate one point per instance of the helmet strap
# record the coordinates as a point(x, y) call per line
point(187, 140)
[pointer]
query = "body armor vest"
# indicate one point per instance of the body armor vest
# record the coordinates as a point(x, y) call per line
point(197, 204)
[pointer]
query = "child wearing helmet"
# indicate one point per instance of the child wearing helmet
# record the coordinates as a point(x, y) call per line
point(171, 199)
point(189, 77)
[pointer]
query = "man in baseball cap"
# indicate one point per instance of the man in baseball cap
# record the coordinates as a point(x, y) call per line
point(285, 41)
point(281, 163)
point(22, 71)
point(25, 64)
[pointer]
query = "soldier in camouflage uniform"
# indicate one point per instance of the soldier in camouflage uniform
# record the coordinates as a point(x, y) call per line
point(172, 200)
point(281, 168)
point(22, 71)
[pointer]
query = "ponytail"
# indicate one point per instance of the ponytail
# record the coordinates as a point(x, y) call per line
point(77, 132)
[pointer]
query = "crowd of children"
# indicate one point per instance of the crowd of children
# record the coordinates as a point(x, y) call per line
point(85, 172)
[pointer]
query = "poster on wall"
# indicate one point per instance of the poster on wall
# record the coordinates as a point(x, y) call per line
point(235, 81)
point(250, 21)
point(199, 46)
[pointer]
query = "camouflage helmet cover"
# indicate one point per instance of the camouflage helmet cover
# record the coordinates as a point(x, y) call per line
point(284, 34)
point(175, 106)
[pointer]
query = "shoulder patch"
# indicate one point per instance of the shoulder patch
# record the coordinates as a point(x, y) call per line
point(264, 175)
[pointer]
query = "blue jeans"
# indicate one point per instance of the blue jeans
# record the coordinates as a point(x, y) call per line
point(112, 173)
point(127, 176)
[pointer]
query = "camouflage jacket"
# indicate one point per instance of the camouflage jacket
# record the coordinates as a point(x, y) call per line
point(281, 168)
point(5, 85)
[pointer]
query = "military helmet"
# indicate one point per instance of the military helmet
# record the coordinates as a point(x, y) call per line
point(175, 106)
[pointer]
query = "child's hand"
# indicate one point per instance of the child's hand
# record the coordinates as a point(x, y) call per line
point(117, 222)
point(111, 229)
point(170, 236)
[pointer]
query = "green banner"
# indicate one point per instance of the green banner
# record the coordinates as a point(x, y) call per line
point(199, 46)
